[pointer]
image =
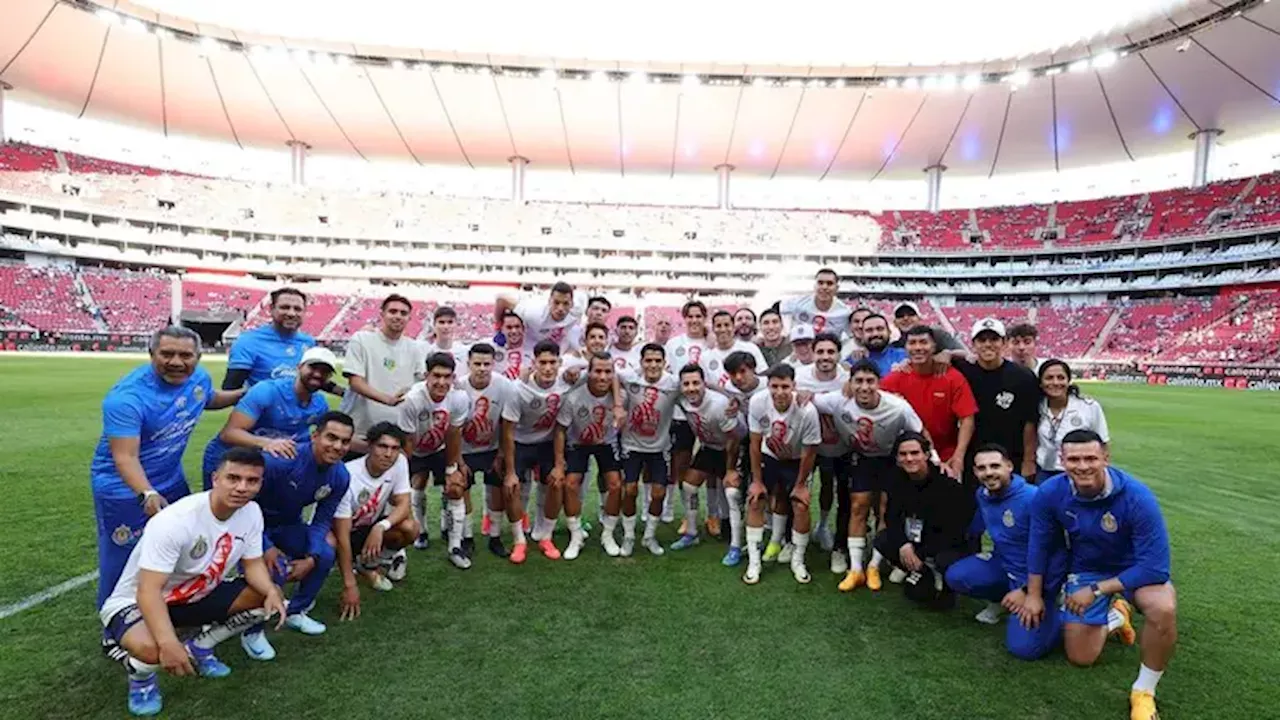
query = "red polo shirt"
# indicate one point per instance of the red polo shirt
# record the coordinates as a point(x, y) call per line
point(941, 401)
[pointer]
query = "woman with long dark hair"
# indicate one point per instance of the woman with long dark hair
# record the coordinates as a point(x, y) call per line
point(1062, 410)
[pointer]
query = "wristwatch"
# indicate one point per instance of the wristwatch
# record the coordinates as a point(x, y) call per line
point(1096, 590)
point(145, 495)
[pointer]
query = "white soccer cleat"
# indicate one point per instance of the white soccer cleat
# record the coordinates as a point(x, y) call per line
point(628, 546)
point(610, 545)
point(653, 546)
point(752, 575)
point(897, 575)
point(459, 559)
point(575, 547)
point(398, 566)
point(990, 614)
point(785, 555)
point(839, 563)
point(799, 571)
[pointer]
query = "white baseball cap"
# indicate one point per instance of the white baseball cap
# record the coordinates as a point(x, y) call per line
point(987, 324)
point(801, 331)
point(321, 355)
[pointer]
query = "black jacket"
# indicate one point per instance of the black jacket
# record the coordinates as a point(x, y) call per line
point(943, 505)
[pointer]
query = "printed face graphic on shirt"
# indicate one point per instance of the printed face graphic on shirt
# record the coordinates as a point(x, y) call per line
point(865, 435)
point(548, 418)
point(777, 439)
point(645, 416)
point(479, 428)
point(695, 353)
point(515, 359)
point(819, 323)
point(433, 438)
point(593, 433)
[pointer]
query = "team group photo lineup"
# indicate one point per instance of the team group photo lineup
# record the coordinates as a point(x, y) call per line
point(493, 361)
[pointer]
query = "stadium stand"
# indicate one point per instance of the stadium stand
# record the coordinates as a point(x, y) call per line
point(45, 298)
point(129, 302)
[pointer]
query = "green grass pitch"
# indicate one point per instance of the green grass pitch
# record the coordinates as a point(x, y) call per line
point(672, 637)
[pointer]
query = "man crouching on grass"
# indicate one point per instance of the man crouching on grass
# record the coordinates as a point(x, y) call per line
point(374, 518)
point(173, 580)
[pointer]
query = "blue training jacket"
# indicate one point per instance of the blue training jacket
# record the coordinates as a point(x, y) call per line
point(1120, 533)
point(1007, 519)
point(290, 485)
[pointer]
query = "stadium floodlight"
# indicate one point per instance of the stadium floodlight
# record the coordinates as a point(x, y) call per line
point(842, 83)
point(1078, 66)
point(485, 70)
point(971, 82)
point(301, 56)
point(107, 16)
point(1018, 78)
point(815, 83)
point(910, 83)
point(795, 83)
point(1105, 60)
point(691, 81)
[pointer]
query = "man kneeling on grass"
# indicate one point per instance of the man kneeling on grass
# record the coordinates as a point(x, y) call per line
point(174, 580)
point(373, 518)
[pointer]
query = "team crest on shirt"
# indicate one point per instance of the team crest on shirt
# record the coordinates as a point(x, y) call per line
point(535, 403)
point(679, 352)
point(121, 535)
point(198, 394)
point(389, 364)
point(583, 413)
point(1007, 518)
point(363, 497)
point(1004, 400)
point(803, 317)
point(200, 548)
point(322, 492)
point(290, 350)
point(1109, 522)
point(181, 402)
point(847, 417)
point(714, 364)
point(1076, 421)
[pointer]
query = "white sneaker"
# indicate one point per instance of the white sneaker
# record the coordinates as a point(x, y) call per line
point(651, 544)
point(799, 571)
point(628, 546)
point(785, 555)
point(752, 575)
point(990, 614)
point(610, 545)
point(839, 563)
point(575, 547)
point(897, 576)
point(398, 566)
point(825, 538)
point(380, 583)
point(459, 559)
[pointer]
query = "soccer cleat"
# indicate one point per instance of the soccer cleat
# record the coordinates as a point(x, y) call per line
point(1125, 633)
point(668, 516)
point(398, 566)
point(852, 580)
point(771, 551)
point(304, 624)
point(1142, 706)
point(378, 581)
point(713, 526)
point(497, 548)
point(788, 549)
point(144, 697)
point(549, 549)
point(459, 558)
point(206, 663)
point(628, 546)
point(610, 545)
point(732, 558)
point(575, 547)
point(799, 571)
point(685, 542)
point(873, 579)
point(839, 563)
point(653, 546)
point(897, 575)
point(256, 646)
point(518, 553)
point(422, 542)
point(752, 575)
point(485, 524)
point(990, 614)
point(469, 547)
point(825, 538)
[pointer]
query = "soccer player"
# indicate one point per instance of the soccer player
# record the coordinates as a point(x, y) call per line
point(925, 530)
point(147, 419)
point(586, 430)
point(875, 338)
point(1008, 397)
point(686, 348)
point(712, 360)
point(784, 448)
point(821, 310)
point(940, 395)
point(173, 580)
point(726, 504)
point(826, 375)
point(432, 415)
point(1005, 501)
point(444, 328)
point(515, 356)
point(1062, 410)
point(1022, 346)
point(297, 550)
point(546, 319)
point(856, 318)
point(373, 522)
point(528, 424)
point(801, 346)
point(488, 393)
point(907, 316)
point(870, 422)
point(625, 350)
point(598, 308)
point(662, 331)
point(744, 324)
point(714, 420)
point(270, 351)
point(651, 398)
point(275, 415)
point(773, 344)
point(380, 366)
point(1119, 551)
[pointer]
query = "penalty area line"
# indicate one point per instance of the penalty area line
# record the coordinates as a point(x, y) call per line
point(47, 594)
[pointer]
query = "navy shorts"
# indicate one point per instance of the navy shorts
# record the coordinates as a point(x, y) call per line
point(656, 463)
point(214, 607)
point(430, 465)
point(682, 436)
point(539, 458)
point(873, 474)
point(839, 469)
point(779, 475)
point(606, 455)
point(482, 462)
point(710, 461)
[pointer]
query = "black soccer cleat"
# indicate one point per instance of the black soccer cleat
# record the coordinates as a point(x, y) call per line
point(497, 548)
point(469, 547)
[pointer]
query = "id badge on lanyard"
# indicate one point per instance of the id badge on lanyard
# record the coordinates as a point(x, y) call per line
point(914, 528)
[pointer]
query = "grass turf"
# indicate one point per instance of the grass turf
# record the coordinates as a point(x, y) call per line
point(672, 637)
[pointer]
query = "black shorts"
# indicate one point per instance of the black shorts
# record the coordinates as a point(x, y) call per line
point(837, 468)
point(779, 475)
point(682, 436)
point(214, 607)
point(606, 455)
point(873, 474)
point(482, 462)
point(539, 458)
point(658, 465)
point(709, 460)
point(430, 465)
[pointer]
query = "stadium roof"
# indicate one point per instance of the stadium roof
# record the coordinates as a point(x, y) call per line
point(841, 104)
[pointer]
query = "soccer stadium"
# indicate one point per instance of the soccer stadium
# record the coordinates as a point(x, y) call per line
point(521, 360)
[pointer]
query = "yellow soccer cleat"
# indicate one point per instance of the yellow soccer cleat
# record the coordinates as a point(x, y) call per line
point(852, 580)
point(873, 579)
point(1125, 633)
point(1142, 706)
point(771, 551)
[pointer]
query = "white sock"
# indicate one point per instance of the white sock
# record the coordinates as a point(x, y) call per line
point(643, 500)
point(876, 558)
point(467, 530)
point(629, 526)
point(668, 504)
point(232, 626)
point(755, 536)
point(495, 523)
point(856, 547)
point(418, 505)
point(1147, 679)
point(610, 523)
point(458, 517)
point(600, 506)
point(651, 527)
point(575, 526)
point(517, 532)
point(800, 541)
point(1115, 620)
point(540, 497)
point(446, 519)
point(139, 670)
point(777, 528)
point(734, 500)
point(690, 494)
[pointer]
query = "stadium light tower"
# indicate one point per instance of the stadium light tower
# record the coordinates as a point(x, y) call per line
point(1206, 141)
point(4, 89)
point(298, 161)
point(933, 176)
